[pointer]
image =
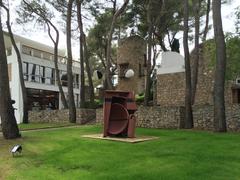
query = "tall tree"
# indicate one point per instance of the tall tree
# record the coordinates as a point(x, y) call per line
point(82, 74)
point(72, 107)
point(206, 21)
point(219, 80)
point(149, 51)
point(84, 56)
point(20, 68)
point(119, 12)
point(188, 123)
point(196, 8)
point(27, 11)
point(8, 121)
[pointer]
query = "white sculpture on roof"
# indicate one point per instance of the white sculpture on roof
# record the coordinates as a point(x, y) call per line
point(171, 62)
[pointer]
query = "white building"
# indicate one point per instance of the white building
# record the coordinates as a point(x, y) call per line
point(39, 75)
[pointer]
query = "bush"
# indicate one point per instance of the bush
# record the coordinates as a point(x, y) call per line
point(140, 98)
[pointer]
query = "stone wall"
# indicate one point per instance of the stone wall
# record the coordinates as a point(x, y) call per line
point(171, 117)
point(159, 117)
point(153, 117)
point(171, 89)
point(204, 115)
point(61, 116)
point(130, 55)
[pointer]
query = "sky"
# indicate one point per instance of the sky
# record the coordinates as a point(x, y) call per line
point(42, 37)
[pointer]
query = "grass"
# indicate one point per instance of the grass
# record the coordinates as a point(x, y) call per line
point(63, 154)
point(31, 126)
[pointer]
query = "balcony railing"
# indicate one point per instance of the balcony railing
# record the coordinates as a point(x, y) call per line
point(46, 55)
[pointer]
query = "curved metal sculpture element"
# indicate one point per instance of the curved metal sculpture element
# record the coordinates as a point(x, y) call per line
point(119, 119)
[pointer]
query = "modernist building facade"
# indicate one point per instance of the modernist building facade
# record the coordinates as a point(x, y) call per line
point(39, 75)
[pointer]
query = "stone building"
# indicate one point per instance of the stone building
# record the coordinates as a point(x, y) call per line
point(131, 55)
point(171, 82)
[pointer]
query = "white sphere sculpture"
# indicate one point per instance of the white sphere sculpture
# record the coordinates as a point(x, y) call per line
point(129, 73)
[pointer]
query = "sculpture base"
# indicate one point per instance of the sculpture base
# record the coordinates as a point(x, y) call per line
point(121, 139)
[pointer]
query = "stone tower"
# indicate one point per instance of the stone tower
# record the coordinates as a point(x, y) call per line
point(131, 54)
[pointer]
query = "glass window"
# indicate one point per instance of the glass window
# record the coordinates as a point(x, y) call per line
point(53, 76)
point(76, 80)
point(37, 53)
point(34, 71)
point(25, 70)
point(49, 75)
point(47, 55)
point(63, 75)
point(26, 50)
point(42, 74)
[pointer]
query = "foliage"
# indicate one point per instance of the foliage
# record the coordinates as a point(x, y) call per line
point(233, 56)
point(99, 102)
point(96, 104)
point(237, 22)
point(64, 154)
point(139, 98)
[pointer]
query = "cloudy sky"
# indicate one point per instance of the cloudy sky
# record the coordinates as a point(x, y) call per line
point(42, 37)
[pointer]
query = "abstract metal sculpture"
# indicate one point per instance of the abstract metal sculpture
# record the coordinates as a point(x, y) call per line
point(119, 119)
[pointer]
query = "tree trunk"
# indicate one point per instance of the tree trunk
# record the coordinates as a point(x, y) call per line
point(219, 82)
point(82, 75)
point(59, 83)
point(72, 107)
point(188, 123)
point(196, 9)
point(8, 121)
point(149, 53)
point(85, 51)
point(20, 70)
point(207, 21)
point(89, 74)
point(55, 59)
point(109, 44)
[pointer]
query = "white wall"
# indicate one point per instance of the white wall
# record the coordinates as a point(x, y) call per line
point(16, 93)
point(171, 62)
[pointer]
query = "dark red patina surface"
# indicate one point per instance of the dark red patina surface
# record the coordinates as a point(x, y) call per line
point(119, 108)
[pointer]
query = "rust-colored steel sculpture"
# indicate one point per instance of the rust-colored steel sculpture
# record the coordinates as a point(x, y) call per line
point(119, 108)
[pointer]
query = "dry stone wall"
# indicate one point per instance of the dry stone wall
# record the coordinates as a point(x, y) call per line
point(170, 117)
point(171, 89)
point(61, 116)
point(153, 117)
point(204, 115)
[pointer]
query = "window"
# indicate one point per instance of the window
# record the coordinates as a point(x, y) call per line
point(76, 80)
point(63, 77)
point(25, 70)
point(141, 70)
point(236, 96)
point(26, 50)
point(42, 74)
point(34, 71)
point(47, 56)
point(37, 53)
point(49, 75)
point(122, 69)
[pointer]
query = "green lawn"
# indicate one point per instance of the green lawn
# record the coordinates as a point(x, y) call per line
point(63, 154)
point(43, 125)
